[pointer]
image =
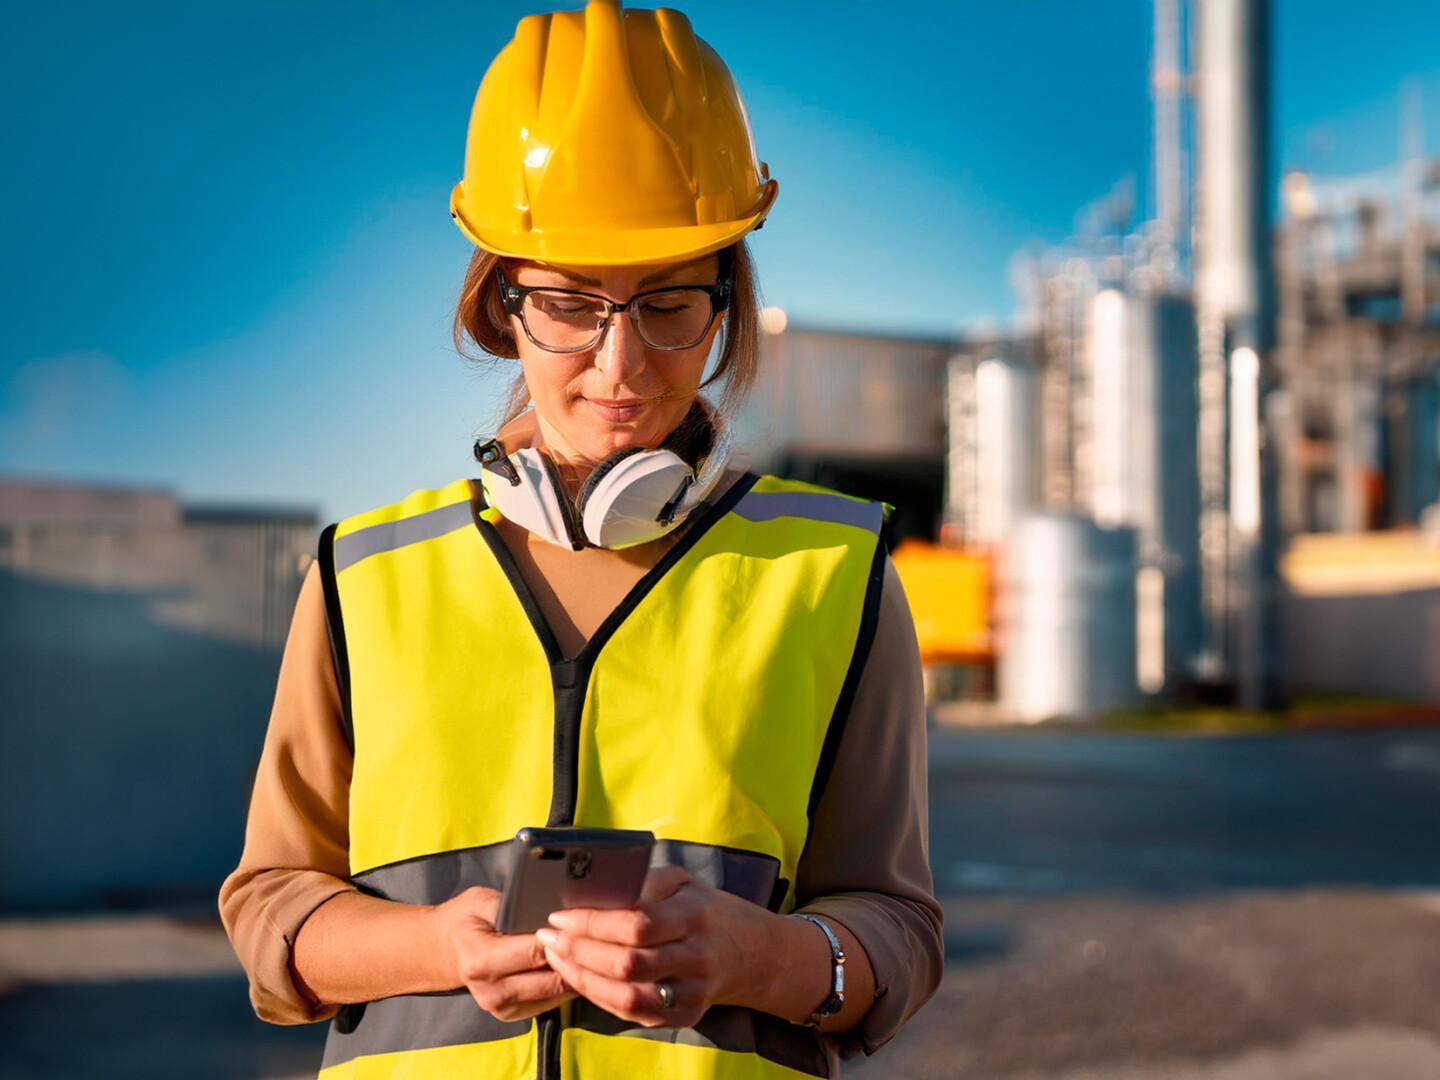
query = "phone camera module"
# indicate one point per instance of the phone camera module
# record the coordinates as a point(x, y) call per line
point(578, 865)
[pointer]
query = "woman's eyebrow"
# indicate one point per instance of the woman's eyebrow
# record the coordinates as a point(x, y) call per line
point(672, 271)
point(648, 279)
point(570, 276)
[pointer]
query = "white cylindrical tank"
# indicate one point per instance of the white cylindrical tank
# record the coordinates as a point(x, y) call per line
point(1066, 624)
point(1007, 466)
point(993, 468)
point(1141, 352)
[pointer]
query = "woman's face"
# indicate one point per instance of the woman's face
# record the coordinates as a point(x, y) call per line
point(621, 392)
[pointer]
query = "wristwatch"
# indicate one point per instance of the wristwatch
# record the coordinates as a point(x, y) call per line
point(832, 1004)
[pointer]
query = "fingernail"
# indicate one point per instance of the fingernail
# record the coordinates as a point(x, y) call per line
point(547, 937)
point(552, 957)
point(561, 920)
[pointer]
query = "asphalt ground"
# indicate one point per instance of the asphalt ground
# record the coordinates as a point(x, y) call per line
point(1310, 985)
point(1119, 907)
point(1060, 811)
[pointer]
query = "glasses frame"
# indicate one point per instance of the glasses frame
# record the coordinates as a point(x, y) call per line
point(513, 296)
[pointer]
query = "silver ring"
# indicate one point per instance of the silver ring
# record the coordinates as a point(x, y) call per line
point(667, 995)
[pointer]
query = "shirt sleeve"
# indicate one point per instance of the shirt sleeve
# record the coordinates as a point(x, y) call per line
point(866, 864)
point(296, 853)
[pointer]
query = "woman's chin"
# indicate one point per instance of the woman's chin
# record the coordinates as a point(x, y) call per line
point(599, 441)
point(601, 444)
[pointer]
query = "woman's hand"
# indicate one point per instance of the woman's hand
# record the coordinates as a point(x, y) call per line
point(701, 942)
point(506, 974)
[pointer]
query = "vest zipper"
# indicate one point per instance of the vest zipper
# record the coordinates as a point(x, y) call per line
point(569, 679)
point(548, 1032)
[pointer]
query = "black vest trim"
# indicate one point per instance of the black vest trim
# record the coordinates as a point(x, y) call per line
point(335, 629)
point(864, 638)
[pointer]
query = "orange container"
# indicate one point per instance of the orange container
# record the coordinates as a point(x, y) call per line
point(950, 598)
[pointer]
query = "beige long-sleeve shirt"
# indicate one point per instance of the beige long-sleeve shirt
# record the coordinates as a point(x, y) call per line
point(865, 866)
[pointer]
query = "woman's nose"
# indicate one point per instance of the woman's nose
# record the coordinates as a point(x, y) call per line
point(621, 355)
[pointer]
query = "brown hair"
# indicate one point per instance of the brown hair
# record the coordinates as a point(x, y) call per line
point(480, 319)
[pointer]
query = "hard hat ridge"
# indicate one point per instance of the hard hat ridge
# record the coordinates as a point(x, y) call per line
point(610, 134)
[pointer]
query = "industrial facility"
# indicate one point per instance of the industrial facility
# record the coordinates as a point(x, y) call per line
point(141, 637)
point(1133, 483)
point(1205, 452)
point(229, 572)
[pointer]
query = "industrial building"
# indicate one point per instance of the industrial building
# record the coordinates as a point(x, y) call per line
point(227, 571)
point(864, 413)
point(141, 637)
point(1358, 266)
point(1209, 389)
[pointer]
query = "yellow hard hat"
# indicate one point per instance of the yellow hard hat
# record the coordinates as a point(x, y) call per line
point(609, 137)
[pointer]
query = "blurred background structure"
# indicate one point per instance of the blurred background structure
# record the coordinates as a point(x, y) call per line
point(1219, 383)
point(139, 635)
point(1165, 455)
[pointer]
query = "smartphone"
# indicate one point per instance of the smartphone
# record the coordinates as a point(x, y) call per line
point(554, 869)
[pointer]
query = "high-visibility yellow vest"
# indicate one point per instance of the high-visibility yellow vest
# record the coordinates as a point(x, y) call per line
point(706, 709)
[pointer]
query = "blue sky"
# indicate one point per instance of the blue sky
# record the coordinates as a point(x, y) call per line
point(229, 266)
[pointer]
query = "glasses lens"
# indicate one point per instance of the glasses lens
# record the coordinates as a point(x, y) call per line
point(673, 318)
point(562, 321)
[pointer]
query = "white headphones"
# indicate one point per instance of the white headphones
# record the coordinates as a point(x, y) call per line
point(632, 497)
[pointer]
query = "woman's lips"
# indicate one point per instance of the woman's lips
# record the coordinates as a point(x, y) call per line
point(617, 412)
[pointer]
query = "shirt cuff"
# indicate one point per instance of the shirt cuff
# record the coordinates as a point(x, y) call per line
point(284, 899)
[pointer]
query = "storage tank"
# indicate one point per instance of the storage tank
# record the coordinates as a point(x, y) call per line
point(993, 463)
point(1143, 366)
point(1066, 623)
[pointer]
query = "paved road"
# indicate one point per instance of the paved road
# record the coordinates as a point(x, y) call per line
point(1117, 907)
point(1300, 984)
point(1038, 812)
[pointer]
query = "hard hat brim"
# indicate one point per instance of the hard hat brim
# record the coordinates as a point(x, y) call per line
point(610, 246)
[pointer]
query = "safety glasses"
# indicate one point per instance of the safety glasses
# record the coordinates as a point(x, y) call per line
point(570, 321)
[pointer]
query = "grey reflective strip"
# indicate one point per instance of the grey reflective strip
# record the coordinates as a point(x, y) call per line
point(816, 505)
point(433, 879)
point(423, 1021)
point(723, 1027)
point(741, 873)
point(352, 547)
point(413, 1022)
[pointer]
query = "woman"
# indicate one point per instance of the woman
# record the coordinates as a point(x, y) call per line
point(615, 627)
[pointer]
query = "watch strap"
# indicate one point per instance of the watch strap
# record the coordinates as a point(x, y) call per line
point(835, 1001)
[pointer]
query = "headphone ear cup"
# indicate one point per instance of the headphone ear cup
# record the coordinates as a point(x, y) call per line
point(627, 505)
point(596, 475)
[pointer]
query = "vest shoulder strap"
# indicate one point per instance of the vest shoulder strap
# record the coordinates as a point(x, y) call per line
point(422, 515)
point(772, 498)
